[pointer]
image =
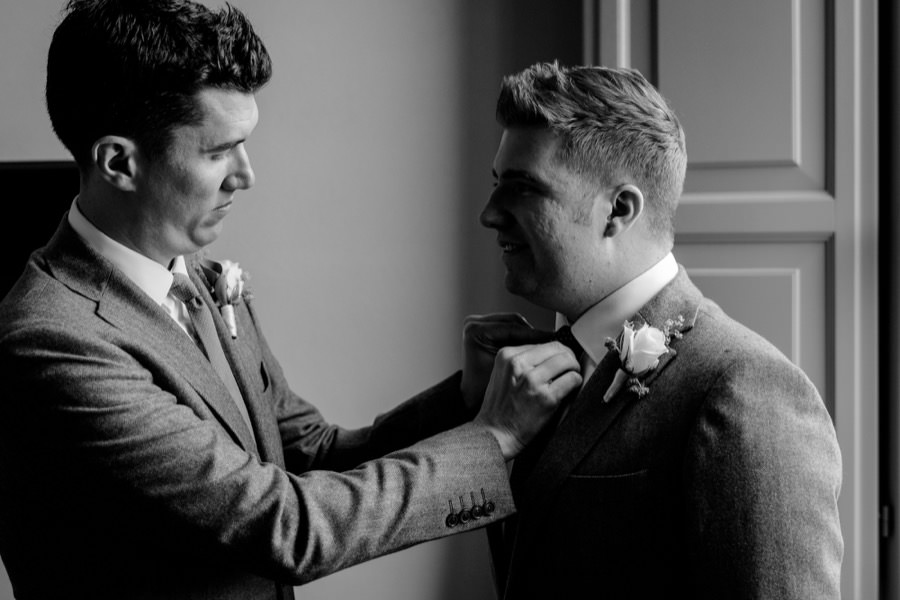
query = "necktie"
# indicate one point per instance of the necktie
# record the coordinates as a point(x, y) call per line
point(184, 289)
point(524, 464)
point(565, 336)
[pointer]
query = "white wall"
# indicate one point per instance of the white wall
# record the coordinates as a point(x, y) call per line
point(372, 158)
point(25, 30)
point(353, 231)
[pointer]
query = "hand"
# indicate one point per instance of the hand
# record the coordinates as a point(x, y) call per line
point(527, 386)
point(483, 336)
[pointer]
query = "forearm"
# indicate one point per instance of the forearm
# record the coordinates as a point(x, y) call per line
point(311, 443)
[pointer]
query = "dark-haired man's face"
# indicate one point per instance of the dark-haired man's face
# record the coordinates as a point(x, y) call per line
point(186, 193)
point(546, 220)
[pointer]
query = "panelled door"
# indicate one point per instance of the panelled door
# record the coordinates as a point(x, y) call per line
point(778, 218)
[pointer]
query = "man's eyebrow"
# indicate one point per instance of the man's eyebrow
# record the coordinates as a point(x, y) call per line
point(523, 176)
point(224, 146)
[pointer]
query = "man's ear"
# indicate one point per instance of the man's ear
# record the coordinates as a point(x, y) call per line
point(627, 202)
point(115, 158)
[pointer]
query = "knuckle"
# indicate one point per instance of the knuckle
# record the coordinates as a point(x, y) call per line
point(531, 379)
point(519, 365)
point(506, 354)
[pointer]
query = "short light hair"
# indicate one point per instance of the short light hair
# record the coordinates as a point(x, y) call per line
point(614, 126)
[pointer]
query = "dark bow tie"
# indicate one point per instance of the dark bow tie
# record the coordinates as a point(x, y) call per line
point(565, 336)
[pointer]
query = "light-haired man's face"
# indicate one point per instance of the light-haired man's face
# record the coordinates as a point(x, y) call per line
point(547, 225)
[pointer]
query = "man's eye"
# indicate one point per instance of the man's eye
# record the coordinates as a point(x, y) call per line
point(516, 188)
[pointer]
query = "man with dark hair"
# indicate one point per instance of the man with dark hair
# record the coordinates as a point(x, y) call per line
point(696, 461)
point(149, 444)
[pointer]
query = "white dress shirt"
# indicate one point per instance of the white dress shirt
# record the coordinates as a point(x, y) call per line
point(606, 318)
point(150, 276)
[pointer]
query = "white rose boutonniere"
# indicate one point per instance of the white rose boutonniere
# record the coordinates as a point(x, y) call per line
point(639, 351)
point(229, 290)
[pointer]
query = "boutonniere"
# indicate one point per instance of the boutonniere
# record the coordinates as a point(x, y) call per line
point(228, 290)
point(639, 351)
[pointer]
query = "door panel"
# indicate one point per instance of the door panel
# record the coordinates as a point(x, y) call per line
point(778, 290)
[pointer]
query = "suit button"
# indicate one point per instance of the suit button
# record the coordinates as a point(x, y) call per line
point(489, 508)
point(465, 516)
point(477, 512)
point(452, 520)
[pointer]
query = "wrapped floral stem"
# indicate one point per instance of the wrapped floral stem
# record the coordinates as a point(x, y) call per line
point(229, 289)
point(228, 314)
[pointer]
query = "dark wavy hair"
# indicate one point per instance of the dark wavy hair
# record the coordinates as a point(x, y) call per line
point(133, 68)
point(614, 127)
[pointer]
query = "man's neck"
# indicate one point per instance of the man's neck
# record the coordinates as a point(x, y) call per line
point(605, 318)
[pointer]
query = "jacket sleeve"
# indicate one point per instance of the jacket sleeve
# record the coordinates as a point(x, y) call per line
point(309, 442)
point(100, 424)
point(763, 475)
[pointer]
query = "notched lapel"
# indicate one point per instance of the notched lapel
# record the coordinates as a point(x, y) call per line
point(130, 310)
point(590, 417)
point(244, 358)
point(584, 424)
point(124, 306)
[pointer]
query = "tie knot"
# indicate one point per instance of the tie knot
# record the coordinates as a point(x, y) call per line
point(564, 336)
point(183, 288)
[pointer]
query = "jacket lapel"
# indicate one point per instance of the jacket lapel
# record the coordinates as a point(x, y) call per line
point(125, 306)
point(586, 420)
point(245, 362)
point(590, 417)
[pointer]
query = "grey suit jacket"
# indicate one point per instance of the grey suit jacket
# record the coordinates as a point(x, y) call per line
point(721, 482)
point(126, 470)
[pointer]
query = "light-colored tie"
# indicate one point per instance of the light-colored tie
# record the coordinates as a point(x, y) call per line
point(184, 289)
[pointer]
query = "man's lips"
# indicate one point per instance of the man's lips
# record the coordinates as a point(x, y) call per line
point(509, 246)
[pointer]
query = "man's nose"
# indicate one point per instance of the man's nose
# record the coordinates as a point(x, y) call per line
point(243, 176)
point(492, 216)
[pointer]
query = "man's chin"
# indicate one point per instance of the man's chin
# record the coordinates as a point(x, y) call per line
point(518, 286)
point(202, 240)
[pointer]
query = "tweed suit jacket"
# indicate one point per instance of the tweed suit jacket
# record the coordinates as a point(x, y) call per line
point(126, 470)
point(721, 482)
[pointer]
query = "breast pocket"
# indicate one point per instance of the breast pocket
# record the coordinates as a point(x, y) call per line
point(603, 517)
point(609, 494)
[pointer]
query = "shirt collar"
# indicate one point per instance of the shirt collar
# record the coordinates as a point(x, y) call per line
point(605, 319)
point(150, 276)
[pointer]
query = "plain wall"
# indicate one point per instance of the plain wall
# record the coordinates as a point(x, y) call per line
point(373, 158)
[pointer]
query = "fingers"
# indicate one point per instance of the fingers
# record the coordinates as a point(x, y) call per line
point(527, 386)
point(560, 373)
point(550, 369)
point(547, 360)
point(564, 385)
point(497, 318)
point(493, 332)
